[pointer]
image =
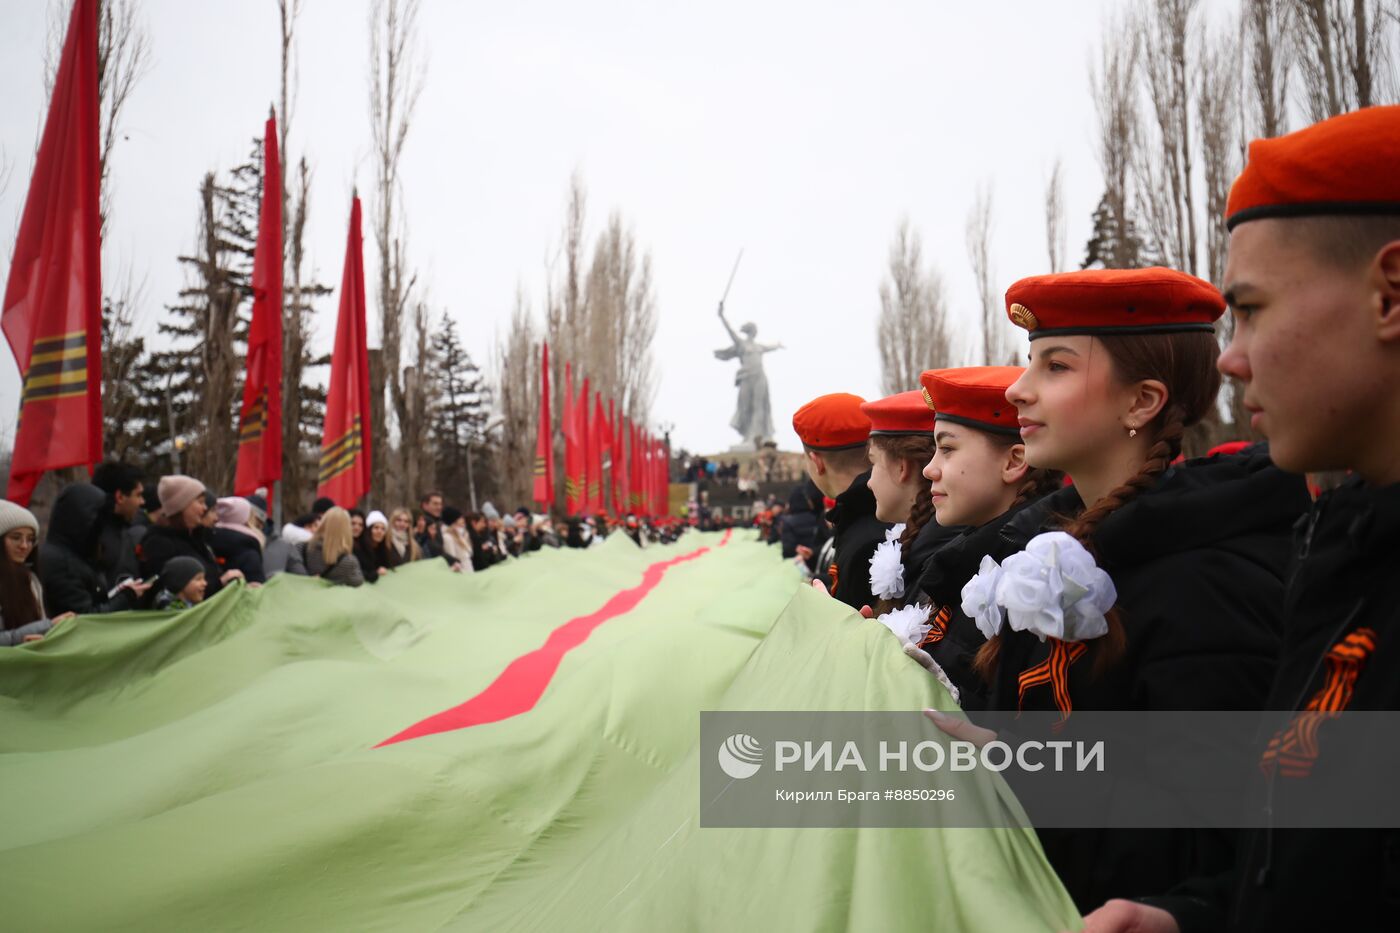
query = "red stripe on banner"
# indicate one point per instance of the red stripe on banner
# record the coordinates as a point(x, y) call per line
point(519, 687)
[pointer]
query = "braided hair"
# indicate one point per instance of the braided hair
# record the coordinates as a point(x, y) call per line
point(916, 450)
point(1185, 363)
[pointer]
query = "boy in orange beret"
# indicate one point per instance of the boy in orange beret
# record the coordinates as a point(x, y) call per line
point(1313, 281)
point(834, 433)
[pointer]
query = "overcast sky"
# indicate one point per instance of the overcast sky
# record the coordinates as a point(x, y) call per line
point(799, 131)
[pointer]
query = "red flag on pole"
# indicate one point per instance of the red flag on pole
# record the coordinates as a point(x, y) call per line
point(639, 473)
point(544, 445)
point(622, 480)
point(573, 449)
point(597, 440)
point(345, 442)
point(614, 450)
point(585, 446)
point(663, 478)
point(260, 417)
point(53, 301)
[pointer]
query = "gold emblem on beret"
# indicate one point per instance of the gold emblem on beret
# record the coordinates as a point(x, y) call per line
point(928, 400)
point(1022, 316)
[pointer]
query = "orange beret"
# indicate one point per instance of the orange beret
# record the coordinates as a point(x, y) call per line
point(903, 413)
point(1346, 165)
point(974, 396)
point(832, 422)
point(1113, 301)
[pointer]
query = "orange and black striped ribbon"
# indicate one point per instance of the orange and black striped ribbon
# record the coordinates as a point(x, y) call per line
point(937, 626)
point(1054, 671)
point(254, 420)
point(57, 368)
point(833, 573)
point(1293, 750)
point(341, 455)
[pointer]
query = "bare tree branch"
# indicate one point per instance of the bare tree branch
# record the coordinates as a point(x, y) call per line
point(995, 346)
point(396, 80)
point(912, 330)
point(1056, 244)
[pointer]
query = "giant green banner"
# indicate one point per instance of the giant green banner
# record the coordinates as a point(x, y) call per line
point(509, 750)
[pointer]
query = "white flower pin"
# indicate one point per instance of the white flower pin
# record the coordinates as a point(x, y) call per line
point(979, 598)
point(1055, 589)
point(909, 624)
point(886, 567)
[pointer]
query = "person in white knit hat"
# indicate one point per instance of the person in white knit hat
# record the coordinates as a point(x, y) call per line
point(22, 617)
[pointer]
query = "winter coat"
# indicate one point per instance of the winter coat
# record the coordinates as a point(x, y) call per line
point(802, 526)
point(15, 636)
point(164, 542)
point(1342, 591)
point(346, 570)
point(954, 639)
point(1198, 561)
point(856, 534)
point(67, 569)
point(116, 548)
point(237, 550)
point(371, 558)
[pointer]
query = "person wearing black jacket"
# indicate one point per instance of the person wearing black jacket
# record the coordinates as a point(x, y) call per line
point(1313, 278)
point(834, 433)
point(237, 541)
point(979, 480)
point(118, 530)
point(1188, 585)
point(68, 569)
point(802, 524)
point(182, 505)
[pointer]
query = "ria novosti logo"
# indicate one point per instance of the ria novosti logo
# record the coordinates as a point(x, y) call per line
point(740, 756)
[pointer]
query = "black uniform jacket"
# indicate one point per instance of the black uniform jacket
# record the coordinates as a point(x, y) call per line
point(1341, 622)
point(1199, 561)
point(856, 534)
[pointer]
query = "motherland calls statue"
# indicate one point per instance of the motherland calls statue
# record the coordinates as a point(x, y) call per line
point(753, 414)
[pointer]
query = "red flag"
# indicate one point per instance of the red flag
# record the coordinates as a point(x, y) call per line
point(638, 471)
point(585, 468)
point(614, 455)
point(544, 445)
point(663, 479)
point(53, 300)
point(260, 417)
point(345, 441)
point(574, 470)
point(622, 480)
point(597, 440)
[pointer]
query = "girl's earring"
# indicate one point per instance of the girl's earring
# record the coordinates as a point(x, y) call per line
point(1132, 432)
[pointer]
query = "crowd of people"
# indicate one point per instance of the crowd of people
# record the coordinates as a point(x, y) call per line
point(1031, 534)
point(112, 546)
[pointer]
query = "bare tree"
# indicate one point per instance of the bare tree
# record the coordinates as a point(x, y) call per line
point(219, 296)
point(995, 346)
point(122, 352)
point(913, 330)
point(1345, 58)
point(123, 58)
point(517, 394)
point(1056, 243)
point(619, 317)
point(419, 393)
point(1166, 202)
point(1113, 84)
point(396, 80)
point(1270, 56)
point(1218, 112)
point(564, 291)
